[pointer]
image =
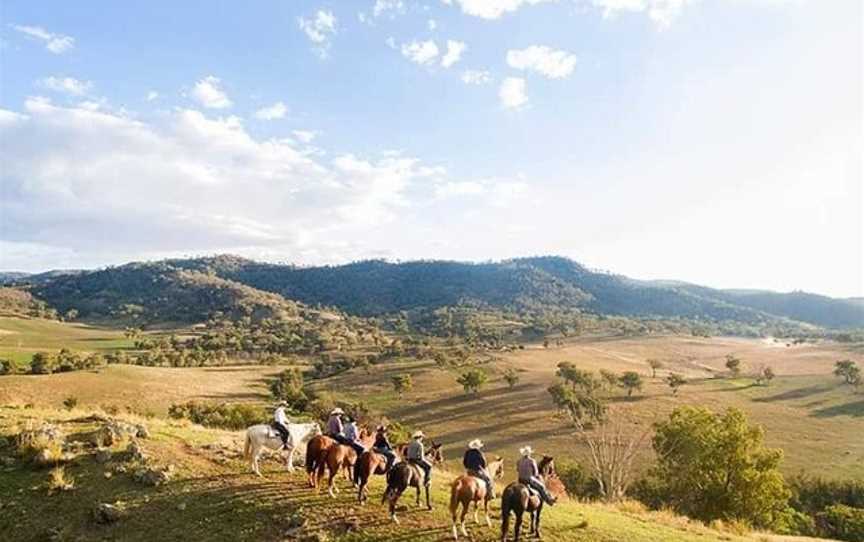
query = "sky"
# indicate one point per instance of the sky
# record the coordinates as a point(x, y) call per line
point(713, 141)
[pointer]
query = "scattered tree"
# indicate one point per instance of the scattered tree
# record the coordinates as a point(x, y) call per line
point(43, 363)
point(511, 376)
point(716, 466)
point(655, 364)
point(609, 378)
point(764, 376)
point(402, 383)
point(288, 387)
point(675, 381)
point(630, 380)
point(733, 364)
point(579, 405)
point(472, 380)
point(849, 371)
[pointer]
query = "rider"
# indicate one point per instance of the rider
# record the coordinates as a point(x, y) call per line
point(475, 463)
point(352, 436)
point(382, 446)
point(529, 474)
point(280, 422)
point(334, 423)
point(416, 455)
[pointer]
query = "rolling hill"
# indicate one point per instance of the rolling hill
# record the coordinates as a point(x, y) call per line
point(190, 289)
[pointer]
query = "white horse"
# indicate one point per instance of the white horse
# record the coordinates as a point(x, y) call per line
point(263, 436)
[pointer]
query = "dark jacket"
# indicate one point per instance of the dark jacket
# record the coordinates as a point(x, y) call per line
point(474, 460)
point(381, 442)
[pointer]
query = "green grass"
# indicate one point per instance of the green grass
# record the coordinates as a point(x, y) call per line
point(21, 338)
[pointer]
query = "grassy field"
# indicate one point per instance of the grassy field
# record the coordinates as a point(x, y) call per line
point(21, 338)
point(215, 499)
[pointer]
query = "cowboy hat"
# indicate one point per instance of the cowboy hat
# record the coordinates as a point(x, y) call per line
point(475, 444)
point(337, 410)
point(418, 434)
point(282, 403)
point(526, 451)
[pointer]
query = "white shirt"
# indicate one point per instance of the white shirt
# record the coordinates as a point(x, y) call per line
point(280, 416)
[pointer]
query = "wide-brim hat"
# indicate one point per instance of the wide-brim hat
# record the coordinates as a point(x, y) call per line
point(282, 403)
point(526, 450)
point(337, 410)
point(418, 434)
point(475, 444)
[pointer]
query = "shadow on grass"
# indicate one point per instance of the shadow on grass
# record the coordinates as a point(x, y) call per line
point(854, 409)
point(797, 393)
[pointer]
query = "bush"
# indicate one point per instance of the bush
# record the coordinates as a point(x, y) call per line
point(8, 367)
point(43, 363)
point(577, 483)
point(223, 415)
point(843, 522)
point(58, 480)
point(288, 387)
point(70, 402)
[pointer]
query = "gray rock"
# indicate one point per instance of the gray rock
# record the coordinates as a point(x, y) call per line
point(141, 431)
point(106, 513)
point(103, 455)
point(134, 452)
point(151, 476)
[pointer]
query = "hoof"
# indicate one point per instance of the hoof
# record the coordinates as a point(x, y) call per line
point(394, 519)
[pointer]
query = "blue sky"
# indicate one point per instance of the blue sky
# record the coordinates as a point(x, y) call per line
point(715, 141)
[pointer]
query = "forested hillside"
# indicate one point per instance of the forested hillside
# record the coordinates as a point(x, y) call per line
point(193, 289)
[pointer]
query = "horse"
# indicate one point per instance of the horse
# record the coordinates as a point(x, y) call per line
point(263, 436)
point(467, 489)
point(370, 462)
point(316, 452)
point(518, 498)
point(342, 457)
point(404, 475)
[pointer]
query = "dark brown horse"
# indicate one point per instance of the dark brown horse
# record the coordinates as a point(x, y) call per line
point(518, 499)
point(467, 489)
point(316, 453)
point(404, 475)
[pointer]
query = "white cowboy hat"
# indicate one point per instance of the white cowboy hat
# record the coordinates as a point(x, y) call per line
point(337, 410)
point(418, 434)
point(283, 403)
point(526, 451)
point(475, 444)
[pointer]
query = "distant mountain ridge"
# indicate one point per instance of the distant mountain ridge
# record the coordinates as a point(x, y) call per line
point(190, 288)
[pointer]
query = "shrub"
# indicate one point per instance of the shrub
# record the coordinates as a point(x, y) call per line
point(576, 481)
point(223, 415)
point(288, 387)
point(70, 402)
point(843, 522)
point(511, 376)
point(58, 480)
point(42, 363)
point(8, 367)
point(472, 380)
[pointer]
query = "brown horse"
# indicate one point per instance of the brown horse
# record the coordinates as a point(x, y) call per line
point(404, 475)
point(369, 463)
point(342, 457)
point(518, 498)
point(467, 489)
point(316, 453)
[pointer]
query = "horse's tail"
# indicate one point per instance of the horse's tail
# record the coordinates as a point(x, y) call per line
point(310, 458)
point(454, 498)
point(247, 447)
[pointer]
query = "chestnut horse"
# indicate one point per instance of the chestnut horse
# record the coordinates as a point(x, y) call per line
point(518, 498)
point(316, 450)
point(369, 463)
point(404, 475)
point(467, 489)
point(342, 457)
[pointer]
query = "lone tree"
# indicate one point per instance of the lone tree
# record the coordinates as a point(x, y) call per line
point(849, 371)
point(765, 376)
point(630, 380)
point(675, 381)
point(716, 466)
point(655, 364)
point(609, 378)
point(472, 380)
point(288, 387)
point(402, 383)
point(511, 376)
point(733, 364)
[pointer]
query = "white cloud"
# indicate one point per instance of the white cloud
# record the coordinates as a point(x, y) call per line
point(421, 52)
point(431, 24)
point(66, 85)
point(74, 172)
point(208, 93)
point(457, 188)
point(152, 95)
point(305, 136)
point(391, 42)
point(319, 30)
point(454, 53)
point(392, 7)
point(272, 112)
point(554, 64)
point(476, 77)
point(492, 9)
point(512, 93)
point(662, 12)
point(56, 43)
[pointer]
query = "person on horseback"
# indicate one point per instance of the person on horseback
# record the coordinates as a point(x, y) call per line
point(280, 422)
point(352, 436)
point(475, 463)
point(334, 423)
point(382, 446)
point(529, 475)
point(416, 455)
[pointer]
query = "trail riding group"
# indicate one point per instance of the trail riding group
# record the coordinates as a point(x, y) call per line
point(360, 453)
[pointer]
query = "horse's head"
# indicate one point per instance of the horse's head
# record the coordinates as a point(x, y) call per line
point(547, 466)
point(316, 429)
point(496, 468)
point(436, 452)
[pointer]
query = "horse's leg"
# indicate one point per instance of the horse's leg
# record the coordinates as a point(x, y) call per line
point(465, 506)
point(517, 526)
point(538, 513)
point(319, 473)
point(331, 485)
point(505, 522)
point(454, 506)
point(393, 499)
point(255, 468)
point(486, 511)
point(428, 502)
point(291, 451)
point(418, 494)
